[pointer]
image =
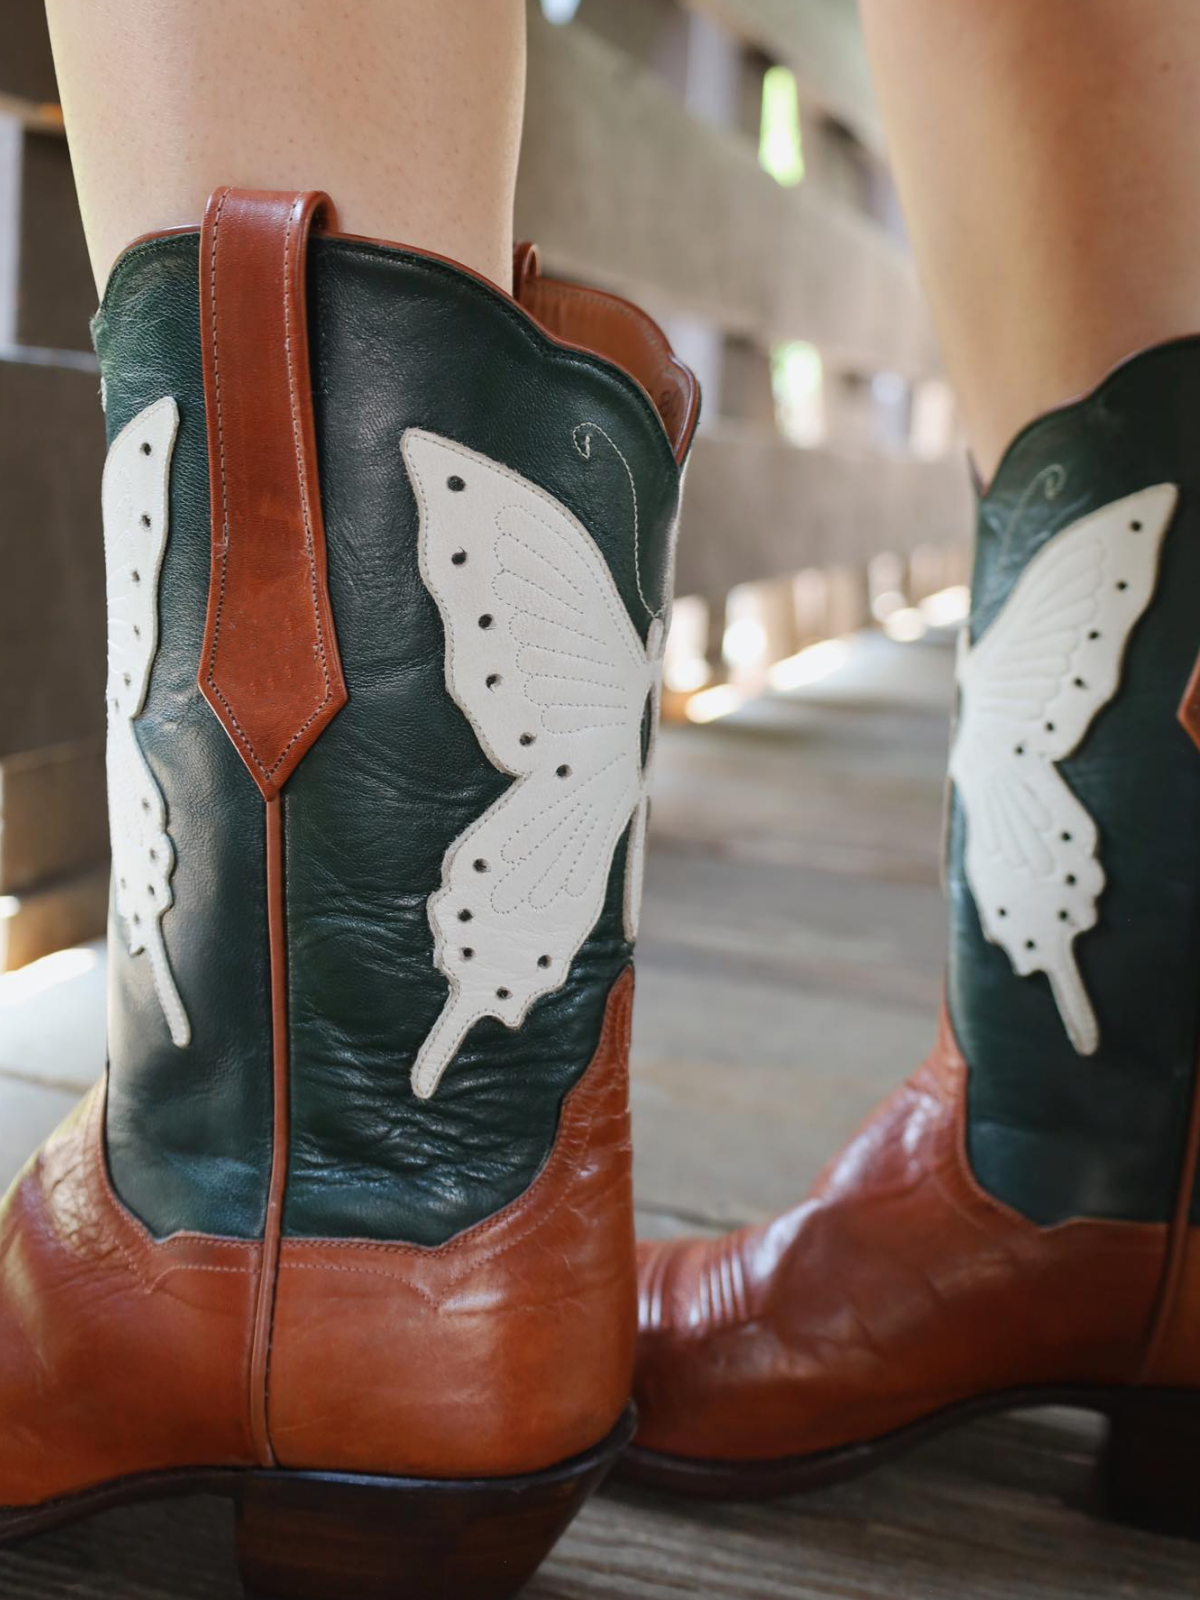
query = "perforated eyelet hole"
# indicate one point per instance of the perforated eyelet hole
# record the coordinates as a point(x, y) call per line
point(1031, 944)
point(126, 679)
point(459, 558)
point(137, 919)
point(1002, 911)
point(1070, 880)
point(1065, 837)
point(146, 448)
point(527, 738)
point(562, 772)
point(1121, 583)
point(543, 961)
point(1135, 527)
point(145, 805)
point(480, 865)
point(145, 519)
point(467, 953)
point(464, 915)
point(1094, 633)
point(1049, 727)
point(154, 855)
point(150, 890)
point(502, 994)
point(1019, 750)
point(1064, 916)
point(492, 680)
point(1080, 684)
point(137, 632)
point(455, 484)
point(136, 575)
point(486, 620)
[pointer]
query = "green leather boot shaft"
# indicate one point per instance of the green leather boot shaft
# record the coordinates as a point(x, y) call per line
point(397, 341)
point(189, 1130)
point(1051, 1132)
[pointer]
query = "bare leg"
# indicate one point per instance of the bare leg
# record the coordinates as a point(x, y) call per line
point(407, 111)
point(1048, 157)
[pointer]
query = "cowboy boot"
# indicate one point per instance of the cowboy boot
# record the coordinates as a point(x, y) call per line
point(1018, 1222)
point(346, 1236)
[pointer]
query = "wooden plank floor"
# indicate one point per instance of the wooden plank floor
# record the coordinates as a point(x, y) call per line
point(789, 974)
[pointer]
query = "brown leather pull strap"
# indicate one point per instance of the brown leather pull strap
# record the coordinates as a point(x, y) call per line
point(270, 668)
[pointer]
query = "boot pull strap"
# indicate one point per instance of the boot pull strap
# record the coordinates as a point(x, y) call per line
point(527, 266)
point(270, 667)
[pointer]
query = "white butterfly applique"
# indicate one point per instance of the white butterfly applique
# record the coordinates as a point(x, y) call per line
point(134, 497)
point(1029, 691)
point(544, 660)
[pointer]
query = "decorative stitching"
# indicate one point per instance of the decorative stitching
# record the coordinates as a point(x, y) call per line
point(267, 772)
point(565, 855)
point(585, 450)
point(396, 258)
point(142, 846)
point(129, 1224)
point(1052, 480)
point(1032, 848)
point(301, 469)
point(564, 1154)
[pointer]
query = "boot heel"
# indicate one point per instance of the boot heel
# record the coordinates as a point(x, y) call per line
point(325, 1536)
point(1150, 1469)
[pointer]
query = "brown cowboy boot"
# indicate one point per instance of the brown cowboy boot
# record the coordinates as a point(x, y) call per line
point(1018, 1223)
point(346, 1236)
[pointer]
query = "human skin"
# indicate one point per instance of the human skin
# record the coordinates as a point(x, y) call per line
point(407, 112)
point(1048, 159)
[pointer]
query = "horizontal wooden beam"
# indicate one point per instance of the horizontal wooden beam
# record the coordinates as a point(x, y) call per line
point(758, 508)
point(53, 814)
point(52, 590)
point(26, 61)
point(41, 920)
point(36, 116)
point(821, 41)
point(620, 184)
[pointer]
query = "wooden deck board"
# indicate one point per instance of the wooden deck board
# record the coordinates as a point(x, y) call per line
point(789, 975)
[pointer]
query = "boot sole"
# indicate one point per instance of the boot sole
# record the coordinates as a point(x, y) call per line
point(330, 1535)
point(1148, 1474)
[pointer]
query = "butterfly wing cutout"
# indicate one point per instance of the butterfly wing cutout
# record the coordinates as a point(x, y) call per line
point(1030, 690)
point(134, 498)
point(542, 657)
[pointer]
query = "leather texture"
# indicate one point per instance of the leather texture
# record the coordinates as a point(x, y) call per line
point(119, 1353)
point(270, 669)
point(157, 1311)
point(1017, 1216)
point(897, 1289)
point(505, 1351)
point(590, 319)
point(136, 506)
point(1029, 692)
point(189, 1130)
point(1050, 1133)
point(543, 660)
point(401, 774)
point(368, 816)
